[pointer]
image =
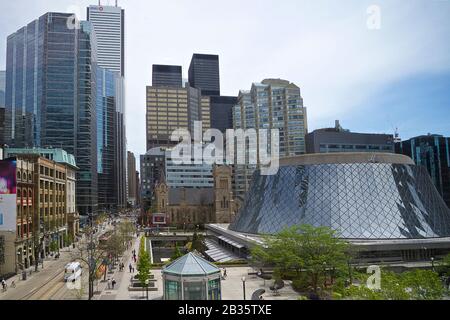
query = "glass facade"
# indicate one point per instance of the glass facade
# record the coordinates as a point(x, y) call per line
point(106, 109)
point(50, 95)
point(433, 153)
point(359, 201)
point(204, 74)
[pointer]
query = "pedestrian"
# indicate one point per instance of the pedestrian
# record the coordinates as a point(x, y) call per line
point(109, 284)
point(131, 267)
point(123, 266)
point(225, 273)
point(4, 284)
point(113, 282)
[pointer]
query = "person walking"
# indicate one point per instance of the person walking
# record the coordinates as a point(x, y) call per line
point(113, 282)
point(109, 284)
point(4, 284)
point(131, 267)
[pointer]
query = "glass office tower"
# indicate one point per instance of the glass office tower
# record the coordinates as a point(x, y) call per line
point(164, 75)
point(106, 112)
point(109, 26)
point(50, 95)
point(432, 152)
point(204, 74)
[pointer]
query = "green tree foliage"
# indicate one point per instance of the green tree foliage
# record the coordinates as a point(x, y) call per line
point(444, 266)
point(411, 285)
point(313, 254)
point(54, 246)
point(143, 264)
point(177, 253)
point(197, 243)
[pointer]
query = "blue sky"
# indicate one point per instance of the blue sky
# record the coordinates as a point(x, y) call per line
point(371, 80)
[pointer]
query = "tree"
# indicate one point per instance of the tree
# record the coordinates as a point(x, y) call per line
point(177, 253)
point(143, 264)
point(410, 285)
point(313, 254)
point(91, 254)
point(197, 243)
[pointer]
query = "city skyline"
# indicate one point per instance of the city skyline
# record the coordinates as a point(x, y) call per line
point(387, 73)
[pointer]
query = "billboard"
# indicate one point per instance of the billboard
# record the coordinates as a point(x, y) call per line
point(8, 198)
point(159, 219)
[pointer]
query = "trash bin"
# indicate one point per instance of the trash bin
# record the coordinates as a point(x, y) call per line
point(24, 275)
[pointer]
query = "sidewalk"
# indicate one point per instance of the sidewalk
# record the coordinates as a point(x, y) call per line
point(122, 277)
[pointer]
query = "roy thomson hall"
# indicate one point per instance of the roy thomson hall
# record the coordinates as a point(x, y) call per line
point(382, 203)
point(37, 205)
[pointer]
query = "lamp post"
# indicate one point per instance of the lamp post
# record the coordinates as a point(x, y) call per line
point(147, 281)
point(243, 286)
point(432, 263)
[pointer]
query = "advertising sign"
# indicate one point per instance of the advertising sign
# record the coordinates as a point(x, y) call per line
point(8, 184)
point(159, 219)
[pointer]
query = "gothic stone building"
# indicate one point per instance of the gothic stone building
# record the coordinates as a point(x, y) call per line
point(186, 207)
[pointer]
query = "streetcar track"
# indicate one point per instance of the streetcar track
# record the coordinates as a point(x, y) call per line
point(36, 290)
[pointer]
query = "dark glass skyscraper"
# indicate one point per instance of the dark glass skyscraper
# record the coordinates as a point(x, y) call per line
point(106, 139)
point(204, 74)
point(222, 112)
point(432, 152)
point(2, 107)
point(169, 76)
point(50, 94)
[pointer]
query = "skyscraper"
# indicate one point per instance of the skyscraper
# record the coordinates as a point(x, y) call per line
point(164, 75)
point(2, 107)
point(204, 74)
point(432, 152)
point(271, 104)
point(50, 94)
point(131, 163)
point(221, 112)
point(109, 25)
point(106, 138)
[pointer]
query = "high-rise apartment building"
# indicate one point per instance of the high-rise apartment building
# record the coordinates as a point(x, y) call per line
point(50, 94)
point(204, 74)
point(432, 152)
point(109, 25)
point(167, 76)
point(271, 104)
point(131, 163)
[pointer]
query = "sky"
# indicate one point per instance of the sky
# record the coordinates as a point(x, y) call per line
point(396, 75)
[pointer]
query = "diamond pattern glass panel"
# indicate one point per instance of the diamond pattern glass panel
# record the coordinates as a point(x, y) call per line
point(360, 201)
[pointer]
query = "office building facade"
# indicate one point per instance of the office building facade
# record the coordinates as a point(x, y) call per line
point(153, 168)
point(204, 74)
point(109, 25)
point(433, 153)
point(132, 192)
point(2, 106)
point(167, 76)
point(222, 112)
point(337, 139)
point(50, 94)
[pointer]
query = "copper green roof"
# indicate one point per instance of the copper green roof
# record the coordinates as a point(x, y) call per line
point(191, 265)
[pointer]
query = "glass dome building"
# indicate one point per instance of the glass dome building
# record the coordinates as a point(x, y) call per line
point(360, 195)
point(191, 278)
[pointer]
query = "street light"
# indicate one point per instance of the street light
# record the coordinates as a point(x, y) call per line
point(147, 281)
point(243, 286)
point(432, 263)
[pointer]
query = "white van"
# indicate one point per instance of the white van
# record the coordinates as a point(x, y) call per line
point(72, 271)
